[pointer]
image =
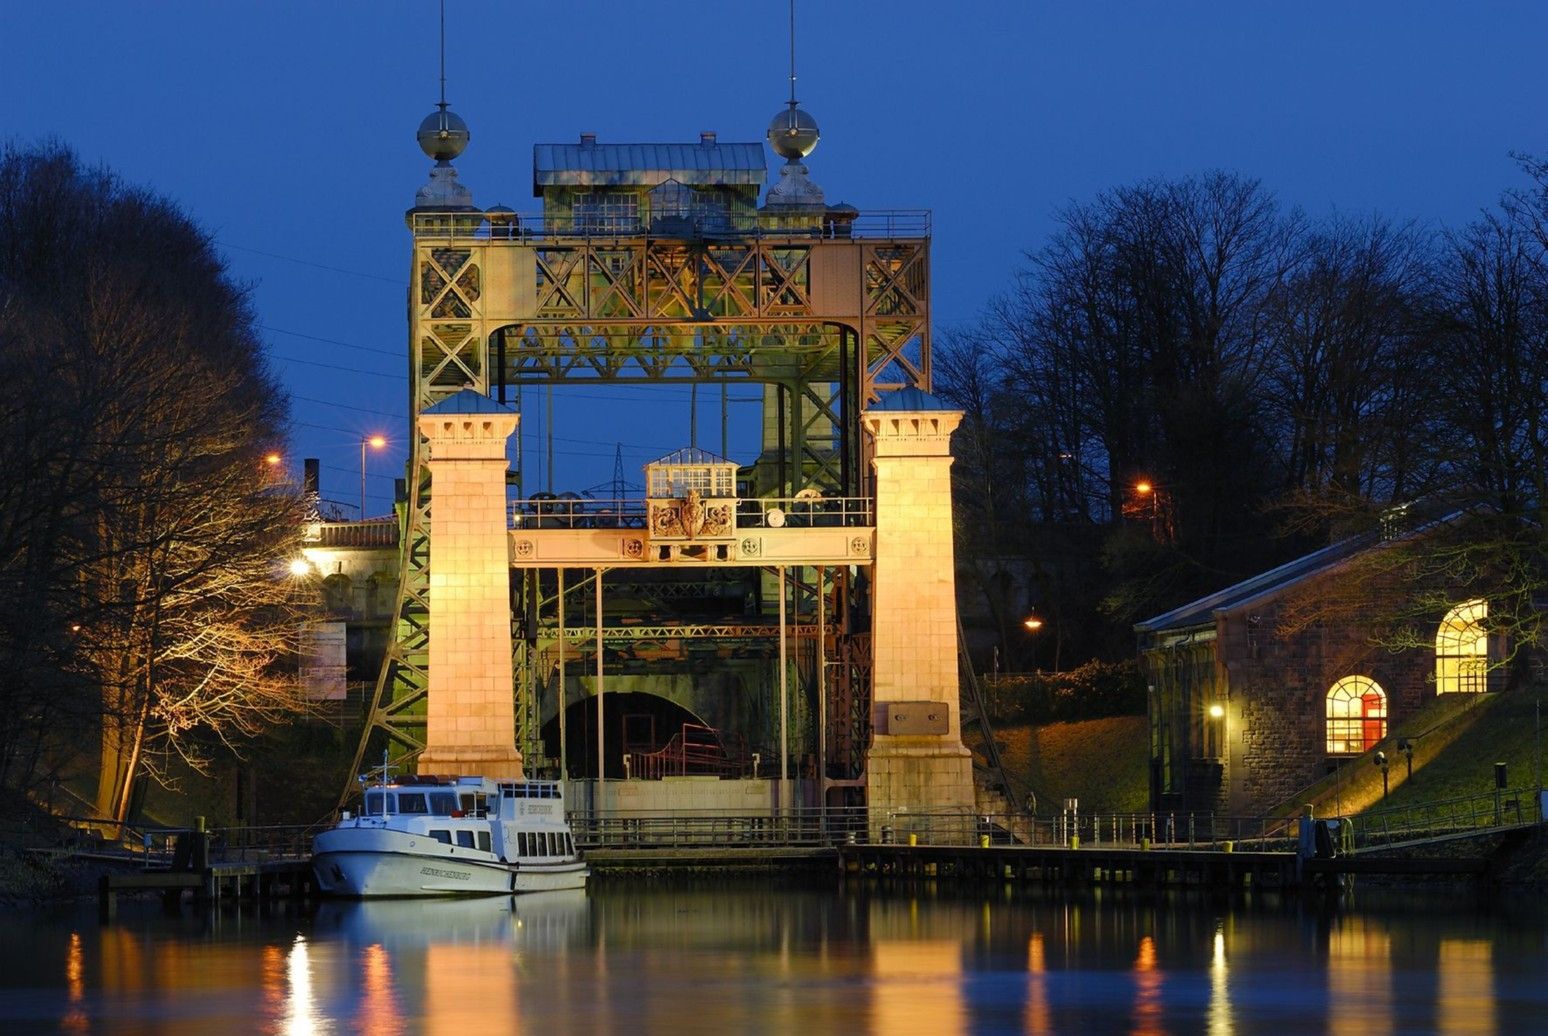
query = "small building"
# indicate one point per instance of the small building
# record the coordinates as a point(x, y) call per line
point(1244, 715)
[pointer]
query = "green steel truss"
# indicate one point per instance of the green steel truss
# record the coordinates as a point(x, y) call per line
point(831, 323)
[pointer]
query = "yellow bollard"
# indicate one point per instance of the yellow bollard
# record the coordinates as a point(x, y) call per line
point(1145, 845)
point(983, 841)
point(1074, 841)
point(1228, 847)
point(913, 839)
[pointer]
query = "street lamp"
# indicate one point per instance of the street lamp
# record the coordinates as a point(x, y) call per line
point(376, 442)
point(1032, 623)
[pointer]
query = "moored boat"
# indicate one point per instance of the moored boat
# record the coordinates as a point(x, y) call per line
point(447, 836)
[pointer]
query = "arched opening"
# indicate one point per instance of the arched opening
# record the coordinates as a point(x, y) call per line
point(1462, 650)
point(337, 594)
point(1357, 715)
point(636, 725)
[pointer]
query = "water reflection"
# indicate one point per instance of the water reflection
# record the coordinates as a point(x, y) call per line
point(657, 958)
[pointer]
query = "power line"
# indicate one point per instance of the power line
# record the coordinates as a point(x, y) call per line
point(346, 406)
point(335, 367)
point(398, 353)
point(317, 266)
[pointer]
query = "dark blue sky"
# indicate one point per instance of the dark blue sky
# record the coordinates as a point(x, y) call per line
point(287, 129)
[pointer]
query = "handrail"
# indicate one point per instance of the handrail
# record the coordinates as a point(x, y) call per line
point(764, 512)
point(882, 224)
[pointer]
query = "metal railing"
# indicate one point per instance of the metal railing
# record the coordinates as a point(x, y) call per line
point(1506, 807)
point(775, 512)
point(709, 829)
point(880, 224)
point(567, 512)
point(1199, 831)
point(695, 749)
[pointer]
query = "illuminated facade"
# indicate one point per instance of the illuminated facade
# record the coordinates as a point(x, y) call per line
point(1244, 717)
point(736, 621)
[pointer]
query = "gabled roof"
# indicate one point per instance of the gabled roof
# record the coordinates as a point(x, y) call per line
point(467, 401)
point(647, 165)
point(1202, 611)
point(690, 455)
point(909, 399)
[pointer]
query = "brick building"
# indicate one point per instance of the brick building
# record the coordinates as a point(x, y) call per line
point(1243, 716)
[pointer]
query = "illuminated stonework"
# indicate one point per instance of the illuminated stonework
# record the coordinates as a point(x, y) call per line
point(470, 725)
point(916, 762)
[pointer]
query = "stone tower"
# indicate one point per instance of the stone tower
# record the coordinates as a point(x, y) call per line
point(470, 725)
point(916, 761)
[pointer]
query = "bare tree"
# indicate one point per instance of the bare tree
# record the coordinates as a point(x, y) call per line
point(147, 540)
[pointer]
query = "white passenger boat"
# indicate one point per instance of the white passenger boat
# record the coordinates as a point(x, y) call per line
point(442, 836)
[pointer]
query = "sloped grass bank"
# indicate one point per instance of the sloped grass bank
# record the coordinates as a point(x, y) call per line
point(1101, 762)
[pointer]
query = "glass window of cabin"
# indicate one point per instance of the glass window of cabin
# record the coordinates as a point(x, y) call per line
point(483, 840)
point(374, 803)
point(441, 836)
point(443, 803)
point(465, 839)
point(607, 212)
point(1462, 650)
point(412, 802)
point(1357, 715)
point(522, 848)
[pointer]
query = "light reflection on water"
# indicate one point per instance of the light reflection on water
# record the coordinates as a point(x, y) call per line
point(650, 958)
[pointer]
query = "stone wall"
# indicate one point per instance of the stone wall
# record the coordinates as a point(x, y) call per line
point(1278, 685)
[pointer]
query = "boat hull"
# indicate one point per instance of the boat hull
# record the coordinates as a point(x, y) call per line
point(385, 863)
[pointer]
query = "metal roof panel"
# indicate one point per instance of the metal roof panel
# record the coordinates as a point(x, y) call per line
point(647, 165)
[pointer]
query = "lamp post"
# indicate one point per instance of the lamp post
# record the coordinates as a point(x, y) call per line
point(376, 442)
point(1032, 624)
point(1380, 759)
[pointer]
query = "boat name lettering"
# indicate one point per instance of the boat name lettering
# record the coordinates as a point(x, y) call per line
point(538, 809)
point(436, 872)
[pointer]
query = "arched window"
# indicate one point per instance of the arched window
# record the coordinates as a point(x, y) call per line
point(1357, 715)
point(337, 592)
point(1462, 650)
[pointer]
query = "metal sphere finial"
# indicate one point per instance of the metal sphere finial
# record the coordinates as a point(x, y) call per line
point(443, 135)
point(793, 133)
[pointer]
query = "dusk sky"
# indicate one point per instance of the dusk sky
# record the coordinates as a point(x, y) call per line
point(287, 130)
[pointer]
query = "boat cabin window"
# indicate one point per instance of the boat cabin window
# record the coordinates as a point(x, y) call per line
point(412, 802)
point(374, 803)
point(465, 839)
point(483, 840)
point(530, 791)
point(443, 803)
point(441, 836)
point(472, 803)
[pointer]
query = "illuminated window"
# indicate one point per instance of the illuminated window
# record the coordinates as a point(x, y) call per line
point(1462, 650)
point(1357, 715)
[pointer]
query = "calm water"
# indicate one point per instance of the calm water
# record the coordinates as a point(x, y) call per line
point(650, 958)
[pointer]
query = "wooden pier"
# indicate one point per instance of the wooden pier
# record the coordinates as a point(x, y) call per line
point(1158, 867)
point(254, 880)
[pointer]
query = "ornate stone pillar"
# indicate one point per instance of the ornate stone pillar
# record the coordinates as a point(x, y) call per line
point(916, 762)
point(470, 724)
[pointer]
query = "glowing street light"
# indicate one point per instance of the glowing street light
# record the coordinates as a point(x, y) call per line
point(1144, 488)
point(1216, 711)
point(272, 460)
point(1032, 623)
point(300, 567)
point(376, 442)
